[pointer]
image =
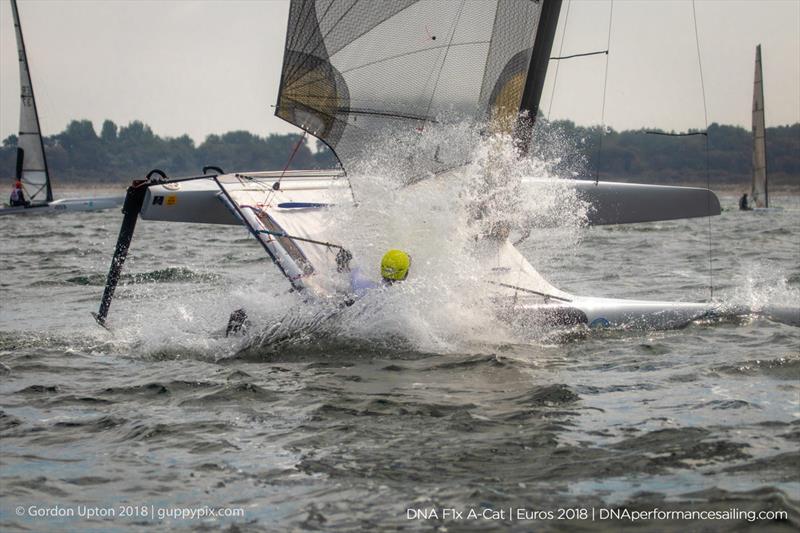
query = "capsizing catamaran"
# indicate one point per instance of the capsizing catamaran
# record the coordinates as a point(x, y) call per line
point(349, 75)
point(31, 169)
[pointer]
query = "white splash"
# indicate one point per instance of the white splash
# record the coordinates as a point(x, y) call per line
point(440, 218)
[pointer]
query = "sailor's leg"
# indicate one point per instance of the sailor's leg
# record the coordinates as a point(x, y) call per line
point(237, 322)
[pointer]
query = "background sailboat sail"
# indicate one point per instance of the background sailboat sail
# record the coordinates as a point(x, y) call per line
point(354, 70)
point(32, 169)
point(31, 162)
point(759, 191)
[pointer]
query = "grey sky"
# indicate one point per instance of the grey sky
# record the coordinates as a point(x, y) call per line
point(206, 66)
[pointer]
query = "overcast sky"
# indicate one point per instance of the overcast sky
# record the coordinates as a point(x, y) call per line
point(208, 66)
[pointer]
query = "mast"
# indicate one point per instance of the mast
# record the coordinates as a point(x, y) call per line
point(32, 167)
point(537, 71)
point(759, 190)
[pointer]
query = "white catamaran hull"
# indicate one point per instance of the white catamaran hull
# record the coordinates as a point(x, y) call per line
point(86, 204)
point(197, 200)
point(641, 314)
point(66, 205)
point(610, 313)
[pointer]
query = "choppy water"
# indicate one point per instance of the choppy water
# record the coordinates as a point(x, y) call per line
point(348, 427)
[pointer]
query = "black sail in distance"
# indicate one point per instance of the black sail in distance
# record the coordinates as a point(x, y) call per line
point(759, 188)
point(31, 162)
point(354, 70)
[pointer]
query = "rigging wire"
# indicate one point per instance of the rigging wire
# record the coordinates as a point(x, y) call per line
point(444, 60)
point(668, 134)
point(301, 140)
point(603, 108)
point(294, 237)
point(584, 54)
point(530, 291)
point(560, 49)
point(276, 186)
point(708, 172)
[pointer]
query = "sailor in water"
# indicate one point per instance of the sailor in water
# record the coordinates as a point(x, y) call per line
point(394, 267)
point(744, 205)
point(17, 198)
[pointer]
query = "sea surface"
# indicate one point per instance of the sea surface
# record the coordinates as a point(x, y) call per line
point(398, 418)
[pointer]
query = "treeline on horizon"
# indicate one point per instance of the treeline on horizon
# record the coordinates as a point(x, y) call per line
point(120, 154)
point(658, 156)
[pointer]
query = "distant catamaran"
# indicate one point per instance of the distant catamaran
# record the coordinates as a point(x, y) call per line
point(31, 169)
point(759, 191)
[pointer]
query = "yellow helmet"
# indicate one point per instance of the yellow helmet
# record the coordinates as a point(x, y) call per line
point(394, 265)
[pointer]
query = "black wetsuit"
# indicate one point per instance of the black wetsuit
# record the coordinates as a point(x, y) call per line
point(743, 203)
point(17, 198)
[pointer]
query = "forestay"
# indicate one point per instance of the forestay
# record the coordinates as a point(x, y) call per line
point(357, 70)
point(759, 189)
point(31, 162)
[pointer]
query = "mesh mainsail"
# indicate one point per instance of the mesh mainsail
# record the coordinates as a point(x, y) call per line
point(31, 162)
point(356, 70)
point(759, 188)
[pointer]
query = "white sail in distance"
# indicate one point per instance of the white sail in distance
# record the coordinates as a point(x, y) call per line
point(759, 192)
point(31, 162)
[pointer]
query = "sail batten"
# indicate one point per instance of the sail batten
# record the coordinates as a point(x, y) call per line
point(32, 168)
point(759, 191)
point(356, 71)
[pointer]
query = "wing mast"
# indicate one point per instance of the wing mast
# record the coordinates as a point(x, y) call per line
point(759, 191)
point(537, 71)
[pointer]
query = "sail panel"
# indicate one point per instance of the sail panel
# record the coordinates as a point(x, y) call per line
point(507, 270)
point(759, 188)
point(356, 71)
point(31, 163)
